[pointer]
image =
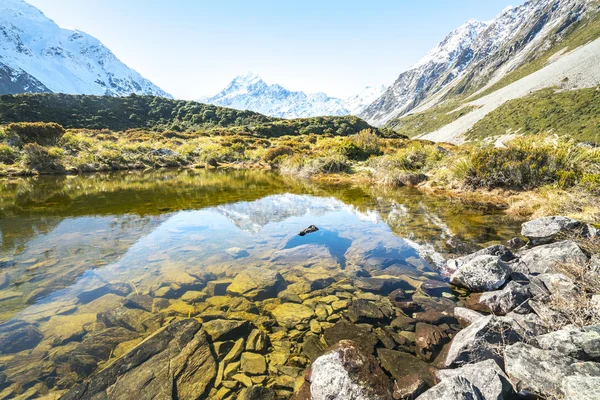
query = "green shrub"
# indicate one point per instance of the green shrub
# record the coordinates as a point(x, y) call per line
point(368, 141)
point(274, 153)
point(7, 154)
point(42, 159)
point(45, 134)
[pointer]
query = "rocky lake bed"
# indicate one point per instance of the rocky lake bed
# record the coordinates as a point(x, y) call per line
point(181, 291)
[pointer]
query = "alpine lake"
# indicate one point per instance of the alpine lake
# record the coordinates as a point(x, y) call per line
point(91, 266)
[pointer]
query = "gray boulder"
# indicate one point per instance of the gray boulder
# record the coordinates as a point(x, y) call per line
point(482, 274)
point(455, 388)
point(483, 340)
point(501, 302)
point(175, 363)
point(546, 229)
point(581, 388)
point(497, 250)
point(530, 324)
point(486, 376)
point(543, 259)
point(580, 343)
point(467, 316)
point(548, 284)
point(542, 371)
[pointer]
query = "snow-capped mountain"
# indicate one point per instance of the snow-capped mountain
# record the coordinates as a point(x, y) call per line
point(36, 55)
point(250, 92)
point(478, 53)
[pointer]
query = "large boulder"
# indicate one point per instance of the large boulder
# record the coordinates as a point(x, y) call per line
point(257, 284)
point(580, 343)
point(500, 302)
point(455, 388)
point(175, 363)
point(483, 340)
point(453, 265)
point(482, 274)
point(486, 376)
point(581, 387)
point(546, 229)
point(346, 372)
point(542, 371)
point(543, 259)
point(549, 284)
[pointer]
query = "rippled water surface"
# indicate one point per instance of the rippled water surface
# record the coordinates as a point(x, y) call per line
point(73, 248)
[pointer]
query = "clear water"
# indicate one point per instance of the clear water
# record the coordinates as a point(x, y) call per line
point(63, 239)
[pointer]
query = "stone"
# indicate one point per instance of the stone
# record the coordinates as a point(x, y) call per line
point(383, 286)
point(549, 284)
point(312, 347)
point(17, 336)
point(455, 388)
point(543, 259)
point(467, 316)
point(500, 251)
point(4, 280)
point(315, 327)
point(310, 229)
point(483, 340)
point(516, 243)
point(406, 369)
point(347, 372)
point(139, 301)
point(486, 376)
point(243, 379)
point(500, 302)
point(257, 284)
point(134, 319)
point(345, 330)
point(435, 288)
point(235, 351)
point(481, 274)
point(397, 295)
point(222, 329)
point(363, 311)
point(429, 339)
point(218, 287)
point(542, 371)
point(340, 305)
point(253, 364)
point(101, 344)
point(531, 324)
point(258, 341)
point(404, 323)
point(581, 388)
point(237, 253)
point(174, 363)
point(581, 343)
point(257, 393)
point(288, 296)
point(291, 314)
point(546, 229)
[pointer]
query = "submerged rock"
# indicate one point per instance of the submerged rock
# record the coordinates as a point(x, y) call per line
point(429, 339)
point(486, 376)
point(481, 274)
point(17, 336)
point(257, 284)
point(382, 286)
point(344, 330)
point(346, 372)
point(174, 363)
point(291, 314)
point(224, 329)
point(409, 372)
point(363, 311)
point(546, 229)
point(4, 280)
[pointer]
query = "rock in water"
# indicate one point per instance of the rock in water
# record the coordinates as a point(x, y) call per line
point(174, 363)
point(17, 336)
point(348, 373)
point(310, 229)
point(411, 374)
point(486, 376)
point(292, 314)
point(257, 284)
point(546, 229)
point(456, 388)
point(482, 274)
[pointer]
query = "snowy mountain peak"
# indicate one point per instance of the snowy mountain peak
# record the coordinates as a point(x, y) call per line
point(36, 55)
point(249, 92)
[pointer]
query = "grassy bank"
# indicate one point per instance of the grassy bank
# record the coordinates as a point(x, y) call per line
point(534, 175)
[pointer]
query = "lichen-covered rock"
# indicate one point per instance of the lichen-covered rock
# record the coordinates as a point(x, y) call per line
point(581, 387)
point(455, 388)
point(542, 371)
point(291, 314)
point(483, 340)
point(481, 274)
point(486, 376)
point(546, 229)
point(346, 372)
point(500, 302)
point(581, 343)
point(543, 259)
point(453, 265)
point(257, 284)
point(174, 363)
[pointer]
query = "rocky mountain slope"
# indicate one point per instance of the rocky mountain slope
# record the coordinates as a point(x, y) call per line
point(250, 92)
point(479, 55)
point(37, 56)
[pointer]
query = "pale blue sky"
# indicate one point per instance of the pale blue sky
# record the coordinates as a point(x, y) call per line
point(192, 48)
